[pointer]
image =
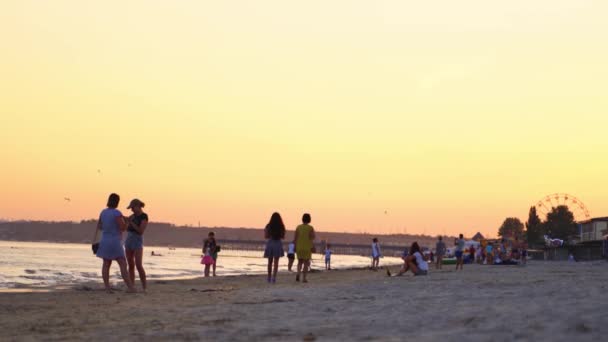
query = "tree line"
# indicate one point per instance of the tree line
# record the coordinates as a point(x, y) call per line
point(559, 223)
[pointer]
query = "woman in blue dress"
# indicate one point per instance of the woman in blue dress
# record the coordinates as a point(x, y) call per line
point(112, 224)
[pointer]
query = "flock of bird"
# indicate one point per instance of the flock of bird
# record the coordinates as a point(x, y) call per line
point(69, 200)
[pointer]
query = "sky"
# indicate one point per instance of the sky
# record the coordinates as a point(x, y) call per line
point(374, 116)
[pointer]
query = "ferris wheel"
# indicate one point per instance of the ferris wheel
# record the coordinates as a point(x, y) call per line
point(576, 206)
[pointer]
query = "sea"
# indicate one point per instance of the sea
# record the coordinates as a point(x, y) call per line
point(41, 265)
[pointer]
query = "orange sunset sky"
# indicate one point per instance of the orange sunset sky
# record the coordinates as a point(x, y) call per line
point(449, 115)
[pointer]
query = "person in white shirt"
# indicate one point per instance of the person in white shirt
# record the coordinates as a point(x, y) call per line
point(376, 254)
point(414, 262)
point(291, 255)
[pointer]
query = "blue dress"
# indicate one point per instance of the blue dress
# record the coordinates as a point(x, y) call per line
point(110, 246)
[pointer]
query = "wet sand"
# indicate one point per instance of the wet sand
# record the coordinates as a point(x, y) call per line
point(542, 301)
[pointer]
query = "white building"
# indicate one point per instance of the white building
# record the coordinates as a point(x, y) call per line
point(594, 229)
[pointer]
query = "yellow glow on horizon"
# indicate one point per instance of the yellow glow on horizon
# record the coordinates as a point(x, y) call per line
point(450, 116)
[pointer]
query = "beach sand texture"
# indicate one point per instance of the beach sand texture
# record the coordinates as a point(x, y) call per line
point(544, 301)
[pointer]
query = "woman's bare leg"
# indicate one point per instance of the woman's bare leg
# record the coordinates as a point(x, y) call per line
point(139, 263)
point(207, 270)
point(105, 274)
point(125, 274)
point(300, 265)
point(276, 269)
point(270, 269)
point(412, 266)
point(403, 269)
point(406, 265)
point(214, 266)
point(131, 264)
point(306, 268)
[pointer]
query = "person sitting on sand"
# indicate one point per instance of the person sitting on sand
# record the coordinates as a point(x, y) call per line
point(134, 245)
point(415, 262)
point(376, 254)
point(304, 240)
point(439, 252)
point(209, 250)
point(328, 257)
point(291, 255)
point(274, 233)
point(112, 224)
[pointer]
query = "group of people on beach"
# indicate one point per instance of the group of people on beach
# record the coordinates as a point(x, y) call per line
point(503, 253)
point(129, 256)
point(487, 253)
point(301, 247)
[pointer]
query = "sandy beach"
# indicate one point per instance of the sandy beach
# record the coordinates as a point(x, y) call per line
point(539, 302)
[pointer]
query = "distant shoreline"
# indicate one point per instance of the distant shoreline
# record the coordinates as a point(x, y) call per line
point(166, 234)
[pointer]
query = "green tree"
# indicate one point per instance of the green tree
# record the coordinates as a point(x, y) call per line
point(534, 227)
point(560, 223)
point(511, 227)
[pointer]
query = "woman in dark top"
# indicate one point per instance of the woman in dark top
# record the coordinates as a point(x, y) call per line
point(210, 250)
point(274, 232)
point(134, 245)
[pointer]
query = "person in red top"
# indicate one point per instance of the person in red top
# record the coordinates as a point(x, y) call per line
point(472, 253)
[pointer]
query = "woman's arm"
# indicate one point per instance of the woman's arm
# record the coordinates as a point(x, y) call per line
point(266, 233)
point(122, 225)
point(312, 234)
point(295, 239)
point(97, 229)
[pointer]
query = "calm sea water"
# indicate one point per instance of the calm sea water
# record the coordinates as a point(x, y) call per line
point(39, 265)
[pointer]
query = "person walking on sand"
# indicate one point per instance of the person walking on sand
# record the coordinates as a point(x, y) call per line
point(291, 255)
point(376, 254)
point(439, 252)
point(134, 245)
point(304, 241)
point(459, 243)
point(328, 257)
point(112, 224)
point(209, 250)
point(274, 233)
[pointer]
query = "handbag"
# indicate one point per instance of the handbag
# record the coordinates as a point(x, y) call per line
point(95, 245)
